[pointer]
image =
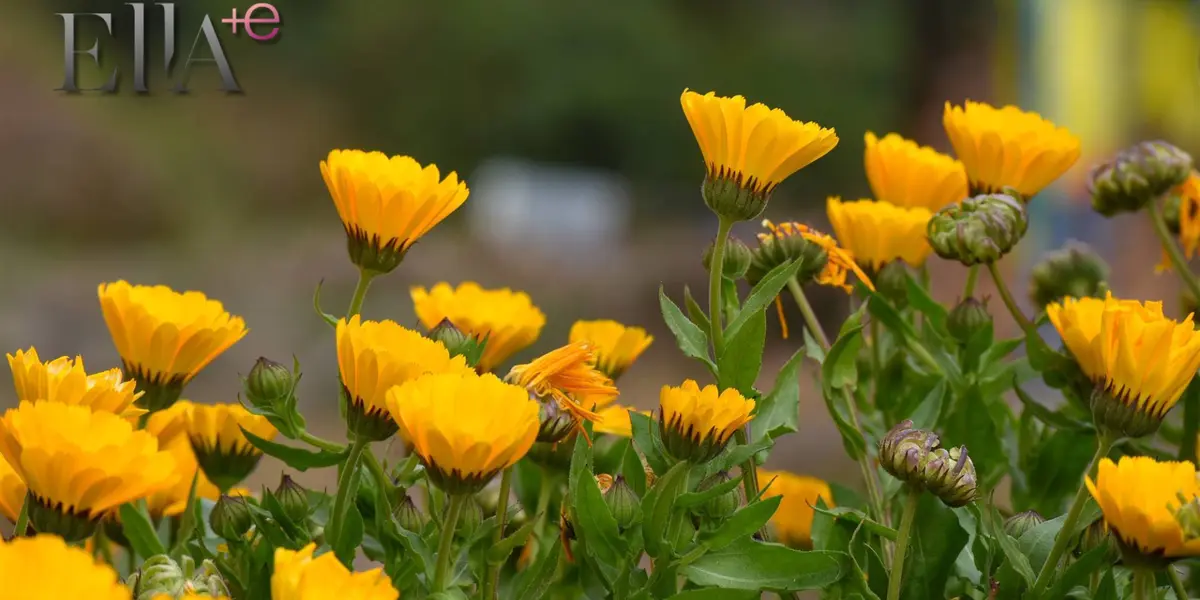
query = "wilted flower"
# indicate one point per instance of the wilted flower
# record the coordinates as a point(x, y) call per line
point(1020, 523)
point(44, 567)
point(614, 346)
point(299, 576)
point(223, 451)
point(877, 232)
point(555, 421)
point(793, 520)
point(1137, 175)
point(614, 420)
point(1075, 272)
point(840, 262)
point(907, 175)
point(1140, 497)
point(507, 320)
point(568, 375)
point(980, 229)
point(695, 424)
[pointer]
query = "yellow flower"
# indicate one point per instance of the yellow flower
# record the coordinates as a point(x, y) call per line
point(65, 380)
point(877, 232)
point(299, 576)
point(615, 420)
point(44, 567)
point(615, 346)
point(696, 423)
point(1140, 359)
point(170, 423)
point(224, 453)
point(793, 519)
point(567, 375)
point(1189, 220)
point(164, 337)
point(912, 176)
point(190, 596)
point(1139, 497)
point(374, 356)
point(12, 492)
point(840, 263)
point(80, 464)
point(748, 150)
point(465, 427)
point(172, 500)
point(508, 320)
point(1008, 147)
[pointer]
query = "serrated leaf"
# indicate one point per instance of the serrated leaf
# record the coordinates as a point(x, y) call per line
point(778, 413)
point(694, 311)
point(741, 358)
point(763, 294)
point(691, 339)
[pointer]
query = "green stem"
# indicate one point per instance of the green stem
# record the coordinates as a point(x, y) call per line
point(492, 582)
point(21, 527)
point(896, 578)
point(1007, 296)
point(1103, 445)
point(1173, 252)
point(360, 292)
point(337, 518)
point(716, 265)
point(1143, 584)
point(810, 317)
point(321, 443)
point(1177, 584)
point(449, 526)
point(876, 358)
point(750, 476)
point(382, 481)
point(543, 505)
point(972, 277)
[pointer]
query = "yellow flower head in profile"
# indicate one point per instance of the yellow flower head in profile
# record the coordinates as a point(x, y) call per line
point(568, 375)
point(696, 423)
point(911, 176)
point(615, 420)
point(65, 380)
point(1139, 360)
point(748, 150)
point(300, 576)
point(12, 492)
point(877, 233)
point(164, 337)
point(1008, 147)
point(170, 423)
point(79, 464)
point(841, 262)
point(190, 596)
point(224, 453)
point(172, 500)
point(465, 427)
point(793, 519)
point(508, 320)
point(615, 346)
point(1189, 220)
point(387, 204)
point(44, 567)
point(374, 356)
point(1140, 496)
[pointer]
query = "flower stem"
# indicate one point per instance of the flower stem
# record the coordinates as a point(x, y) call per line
point(1177, 584)
point(337, 518)
point(810, 317)
point(491, 584)
point(750, 476)
point(716, 267)
point(1007, 296)
point(972, 277)
point(321, 443)
point(1103, 445)
point(1173, 252)
point(913, 497)
point(360, 292)
point(22, 525)
point(453, 511)
point(1143, 584)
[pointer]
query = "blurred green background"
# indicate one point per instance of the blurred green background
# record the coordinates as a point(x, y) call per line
point(564, 119)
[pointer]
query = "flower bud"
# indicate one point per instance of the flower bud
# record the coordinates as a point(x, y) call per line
point(967, 319)
point(736, 258)
point(623, 502)
point(1018, 524)
point(553, 456)
point(722, 506)
point(293, 499)
point(458, 342)
point(231, 518)
point(269, 383)
point(556, 422)
point(471, 517)
point(1136, 176)
point(783, 245)
point(408, 515)
point(161, 575)
point(1074, 271)
point(950, 475)
point(1097, 535)
point(891, 281)
point(978, 230)
point(728, 198)
point(903, 449)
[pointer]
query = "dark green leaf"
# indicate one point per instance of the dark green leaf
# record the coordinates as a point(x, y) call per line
point(919, 299)
point(350, 536)
point(763, 294)
point(839, 374)
point(998, 351)
point(690, 499)
point(742, 524)
point(1079, 571)
point(1046, 415)
point(593, 519)
point(297, 458)
point(645, 437)
point(1056, 467)
point(138, 529)
point(881, 309)
point(499, 553)
point(1037, 542)
point(856, 517)
point(937, 539)
point(927, 412)
point(1191, 421)
point(533, 583)
point(691, 339)
point(694, 311)
point(658, 506)
point(187, 523)
point(328, 318)
point(1108, 587)
point(737, 455)
point(717, 594)
point(634, 472)
point(741, 358)
point(778, 413)
point(751, 565)
point(1016, 559)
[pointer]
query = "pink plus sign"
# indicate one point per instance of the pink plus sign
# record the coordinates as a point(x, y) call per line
point(233, 20)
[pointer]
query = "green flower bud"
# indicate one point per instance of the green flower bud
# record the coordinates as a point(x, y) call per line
point(458, 342)
point(471, 517)
point(722, 506)
point(1136, 176)
point(161, 575)
point(950, 475)
point(231, 518)
point(408, 515)
point(1074, 271)
point(1097, 535)
point(891, 281)
point(967, 319)
point(269, 384)
point(903, 451)
point(553, 456)
point(784, 244)
point(556, 422)
point(623, 502)
point(736, 258)
point(728, 198)
point(1018, 524)
point(978, 230)
point(293, 499)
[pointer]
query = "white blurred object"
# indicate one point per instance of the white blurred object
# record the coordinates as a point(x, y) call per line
point(568, 214)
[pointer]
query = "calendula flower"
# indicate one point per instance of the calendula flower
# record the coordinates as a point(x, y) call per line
point(300, 576)
point(507, 320)
point(65, 380)
point(172, 500)
point(12, 492)
point(792, 521)
point(877, 233)
point(1139, 360)
point(615, 420)
point(911, 176)
point(696, 423)
point(615, 346)
point(374, 356)
point(1139, 497)
point(170, 423)
point(748, 150)
point(79, 464)
point(44, 567)
point(164, 337)
point(1008, 147)
point(841, 262)
point(387, 204)
point(224, 453)
point(567, 375)
point(1188, 220)
point(465, 427)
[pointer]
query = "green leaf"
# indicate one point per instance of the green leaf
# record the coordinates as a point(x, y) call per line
point(139, 530)
point(763, 294)
point(812, 348)
point(933, 310)
point(634, 472)
point(937, 539)
point(778, 413)
point(1046, 415)
point(690, 499)
point(694, 311)
point(658, 506)
point(717, 594)
point(998, 351)
point(499, 553)
point(593, 519)
point(741, 358)
point(187, 523)
point(742, 524)
point(691, 339)
point(737, 455)
point(752, 565)
point(1108, 587)
point(856, 517)
point(297, 458)
point(839, 375)
point(1191, 421)
point(645, 437)
point(1055, 470)
point(881, 309)
point(926, 413)
point(1016, 559)
point(1037, 542)
point(1080, 570)
point(291, 528)
point(533, 583)
point(349, 537)
point(331, 320)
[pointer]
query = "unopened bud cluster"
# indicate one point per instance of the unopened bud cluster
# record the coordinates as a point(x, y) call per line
point(1074, 271)
point(915, 456)
point(1136, 176)
point(160, 575)
point(978, 230)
